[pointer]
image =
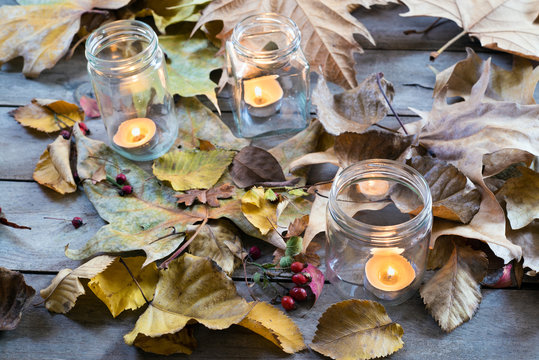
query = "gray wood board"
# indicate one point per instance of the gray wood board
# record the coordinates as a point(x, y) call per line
point(90, 332)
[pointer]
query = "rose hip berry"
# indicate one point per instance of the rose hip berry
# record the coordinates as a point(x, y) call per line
point(296, 267)
point(254, 252)
point(65, 134)
point(84, 128)
point(299, 279)
point(126, 190)
point(77, 222)
point(288, 303)
point(121, 178)
point(298, 293)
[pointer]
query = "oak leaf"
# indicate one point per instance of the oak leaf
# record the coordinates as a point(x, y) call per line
point(327, 29)
point(209, 196)
point(41, 34)
point(253, 165)
point(453, 294)
point(506, 25)
point(117, 289)
point(16, 295)
point(185, 169)
point(48, 115)
point(356, 329)
point(260, 212)
point(192, 289)
point(60, 296)
point(521, 195)
point(53, 169)
point(353, 110)
point(274, 325)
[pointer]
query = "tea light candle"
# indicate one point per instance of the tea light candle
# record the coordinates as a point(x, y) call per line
point(135, 133)
point(387, 270)
point(263, 95)
point(374, 187)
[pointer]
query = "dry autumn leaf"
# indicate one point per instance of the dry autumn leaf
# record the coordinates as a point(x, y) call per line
point(54, 170)
point(6, 222)
point(60, 296)
point(186, 169)
point(16, 295)
point(45, 31)
point(521, 195)
point(527, 238)
point(356, 329)
point(453, 294)
point(327, 29)
point(253, 165)
point(209, 196)
point(168, 12)
point(275, 326)
point(89, 106)
point(192, 289)
point(117, 289)
point(506, 25)
point(260, 212)
point(353, 110)
point(182, 342)
point(48, 115)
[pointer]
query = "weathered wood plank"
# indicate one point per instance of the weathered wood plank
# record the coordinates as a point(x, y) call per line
point(90, 332)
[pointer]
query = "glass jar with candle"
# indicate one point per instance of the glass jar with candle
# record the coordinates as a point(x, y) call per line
point(128, 73)
point(376, 247)
point(270, 76)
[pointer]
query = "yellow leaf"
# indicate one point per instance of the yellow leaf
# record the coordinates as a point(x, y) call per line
point(187, 170)
point(41, 34)
point(356, 329)
point(60, 296)
point(54, 170)
point(192, 289)
point(275, 326)
point(48, 115)
point(116, 288)
point(259, 211)
point(182, 342)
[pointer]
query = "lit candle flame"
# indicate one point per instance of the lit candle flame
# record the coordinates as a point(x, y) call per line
point(390, 272)
point(135, 132)
point(258, 95)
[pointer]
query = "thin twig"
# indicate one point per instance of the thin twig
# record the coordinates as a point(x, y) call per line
point(386, 128)
point(135, 280)
point(168, 235)
point(247, 281)
point(425, 30)
point(378, 78)
point(164, 265)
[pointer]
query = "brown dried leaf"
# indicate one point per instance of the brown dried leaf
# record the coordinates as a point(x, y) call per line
point(181, 342)
point(48, 115)
point(15, 296)
point(54, 170)
point(453, 294)
point(6, 222)
point(209, 196)
point(323, 157)
point(253, 165)
point(353, 110)
point(297, 227)
point(527, 238)
point(521, 195)
point(356, 329)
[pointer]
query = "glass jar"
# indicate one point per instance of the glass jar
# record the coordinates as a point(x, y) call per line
point(128, 74)
point(376, 248)
point(270, 76)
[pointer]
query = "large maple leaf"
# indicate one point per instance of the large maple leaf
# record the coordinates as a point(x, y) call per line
point(327, 29)
point(41, 34)
point(506, 25)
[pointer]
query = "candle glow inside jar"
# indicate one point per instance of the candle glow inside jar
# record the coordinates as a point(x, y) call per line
point(263, 95)
point(375, 249)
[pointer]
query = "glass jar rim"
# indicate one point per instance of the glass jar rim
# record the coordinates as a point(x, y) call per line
point(389, 235)
point(115, 28)
point(266, 18)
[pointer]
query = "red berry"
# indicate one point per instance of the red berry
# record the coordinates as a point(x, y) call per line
point(126, 190)
point(296, 267)
point(77, 222)
point(121, 179)
point(299, 279)
point(65, 134)
point(254, 252)
point(84, 128)
point(288, 303)
point(298, 293)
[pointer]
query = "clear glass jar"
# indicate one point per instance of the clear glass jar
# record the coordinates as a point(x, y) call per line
point(373, 249)
point(128, 74)
point(270, 76)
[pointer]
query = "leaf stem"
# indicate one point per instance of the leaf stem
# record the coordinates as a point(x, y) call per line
point(435, 54)
point(425, 30)
point(378, 81)
point(135, 280)
point(164, 265)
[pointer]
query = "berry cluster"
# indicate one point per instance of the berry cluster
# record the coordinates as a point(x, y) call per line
point(298, 292)
point(121, 183)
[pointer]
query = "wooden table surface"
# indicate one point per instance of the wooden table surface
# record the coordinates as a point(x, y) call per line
point(506, 325)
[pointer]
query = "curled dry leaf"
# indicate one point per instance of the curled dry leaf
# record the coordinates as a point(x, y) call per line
point(297, 227)
point(192, 289)
point(15, 296)
point(274, 325)
point(353, 110)
point(168, 12)
point(89, 106)
point(527, 238)
point(210, 196)
point(54, 170)
point(60, 296)
point(44, 31)
point(521, 195)
point(317, 280)
point(515, 85)
point(260, 212)
point(6, 222)
point(48, 115)
point(117, 289)
point(182, 342)
point(322, 157)
point(253, 165)
point(506, 25)
point(356, 329)
point(187, 170)
point(215, 241)
point(453, 294)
